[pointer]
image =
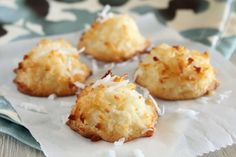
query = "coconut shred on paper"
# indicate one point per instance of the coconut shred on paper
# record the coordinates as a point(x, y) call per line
point(186, 128)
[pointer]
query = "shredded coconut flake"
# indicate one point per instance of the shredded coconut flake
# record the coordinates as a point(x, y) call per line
point(104, 80)
point(117, 85)
point(137, 72)
point(77, 71)
point(104, 14)
point(138, 153)
point(159, 111)
point(111, 153)
point(32, 107)
point(120, 142)
point(81, 50)
point(146, 95)
point(79, 85)
point(52, 96)
point(65, 51)
point(108, 81)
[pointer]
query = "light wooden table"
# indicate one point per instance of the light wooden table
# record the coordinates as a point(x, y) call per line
point(10, 147)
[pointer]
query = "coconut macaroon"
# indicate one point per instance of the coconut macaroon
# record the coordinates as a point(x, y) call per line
point(52, 67)
point(113, 38)
point(176, 73)
point(112, 109)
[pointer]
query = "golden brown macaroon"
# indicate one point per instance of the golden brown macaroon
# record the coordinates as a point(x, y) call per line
point(111, 109)
point(176, 73)
point(114, 39)
point(50, 68)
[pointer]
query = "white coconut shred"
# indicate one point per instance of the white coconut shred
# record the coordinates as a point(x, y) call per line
point(104, 14)
point(52, 96)
point(79, 85)
point(120, 142)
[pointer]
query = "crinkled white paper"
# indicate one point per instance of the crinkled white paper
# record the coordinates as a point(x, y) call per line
point(187, 128)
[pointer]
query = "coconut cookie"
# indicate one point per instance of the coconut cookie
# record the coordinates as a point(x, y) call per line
point(51, 67)
point(111, 109)
point(176, 73)
point(113, 39)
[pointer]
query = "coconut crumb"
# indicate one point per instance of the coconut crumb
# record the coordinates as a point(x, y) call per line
point(105, 79)
point(120, 142)
point(77, 71)
point(117, 85)
point(110, 81)
point(138, 153)
point(136, 74)
point(81, 50)
point(159, 111)
point(104, 14)
point(52, 96)
point(79, 85)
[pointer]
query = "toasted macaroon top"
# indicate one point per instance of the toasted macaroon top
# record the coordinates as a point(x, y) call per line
point(113, 109)
point(175, 72)
point(46, 46)
point(60, 52)
point(116, 38)
point(177, 61)
point(51, 68)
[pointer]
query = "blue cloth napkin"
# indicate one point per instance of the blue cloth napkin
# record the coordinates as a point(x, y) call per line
point(13, 128)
